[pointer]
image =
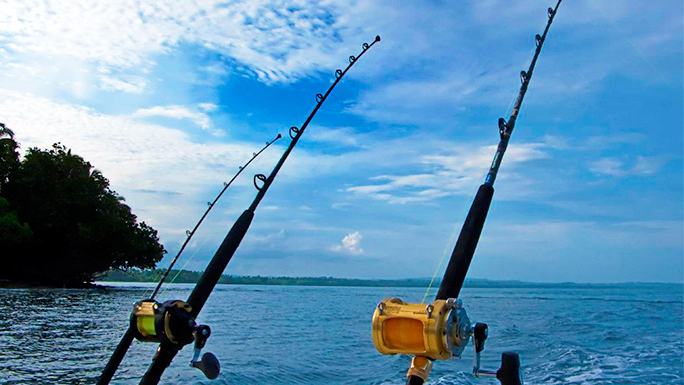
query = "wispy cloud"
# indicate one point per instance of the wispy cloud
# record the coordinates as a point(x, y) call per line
point(625, 167)
point(200, 118)
point(468, 70)
point(207, 107)
point(342, 136)
point(113, 84)
point(443, 175)
point(274, 40)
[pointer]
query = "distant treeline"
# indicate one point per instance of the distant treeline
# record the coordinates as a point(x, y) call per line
point(193, 276)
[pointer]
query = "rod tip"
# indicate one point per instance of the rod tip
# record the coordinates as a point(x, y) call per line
point(377, 38)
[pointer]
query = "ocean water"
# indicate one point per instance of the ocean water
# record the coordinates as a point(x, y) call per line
point(630, 334)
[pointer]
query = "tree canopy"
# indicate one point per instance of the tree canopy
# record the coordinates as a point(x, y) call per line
point(60, 223)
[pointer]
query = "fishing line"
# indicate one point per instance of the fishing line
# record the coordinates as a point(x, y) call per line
point(181, 269)
point(510, 105)
point(156, 279)
point(185, 264)
point(211, 205)
point(447, 247)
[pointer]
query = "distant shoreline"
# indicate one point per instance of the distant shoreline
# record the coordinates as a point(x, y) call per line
point(152, 276)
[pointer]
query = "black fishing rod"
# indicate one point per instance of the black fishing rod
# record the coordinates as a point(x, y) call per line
point(172, 323)
point(127, 339)
point(441, 330)
point(210, 205)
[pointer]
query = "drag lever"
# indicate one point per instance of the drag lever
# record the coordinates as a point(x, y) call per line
point(509, 373)
point(209, 364)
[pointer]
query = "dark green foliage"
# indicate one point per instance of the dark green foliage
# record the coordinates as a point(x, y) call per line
point(65, 223)
point(12, 232)
point(9, 156)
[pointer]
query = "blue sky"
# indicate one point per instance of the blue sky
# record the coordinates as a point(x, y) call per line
point(167, 100)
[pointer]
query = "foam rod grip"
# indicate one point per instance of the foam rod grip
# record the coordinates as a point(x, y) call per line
point(218, 263)
point(465, 246)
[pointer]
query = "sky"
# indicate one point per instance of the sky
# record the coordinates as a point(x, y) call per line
point(169, 98)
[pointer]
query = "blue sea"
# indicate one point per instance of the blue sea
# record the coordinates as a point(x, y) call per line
point(626, 334)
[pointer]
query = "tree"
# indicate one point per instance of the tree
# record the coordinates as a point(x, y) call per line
point(9, 156)
point(13, 234)
point(79, 226)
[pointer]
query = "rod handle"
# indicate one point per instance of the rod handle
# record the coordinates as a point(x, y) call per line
point(465, 246)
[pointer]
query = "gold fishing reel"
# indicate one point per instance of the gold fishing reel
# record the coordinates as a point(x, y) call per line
point(437, 331)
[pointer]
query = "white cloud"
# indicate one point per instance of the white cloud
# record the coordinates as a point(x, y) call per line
point(620, 167)
point(268, 241)
point(207, 107)
point(340, 205)
point(474, 62)
point(286, 40)
point(342, 136)
point(276, 40)
point(608, 141)
point(648, 165)
point(444, 175)
point(351, 244)
point(113, 84)
point(608, 166)
point(181, 112)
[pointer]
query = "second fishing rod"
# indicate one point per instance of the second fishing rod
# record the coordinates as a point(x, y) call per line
point(172, 324)
point(441, 330)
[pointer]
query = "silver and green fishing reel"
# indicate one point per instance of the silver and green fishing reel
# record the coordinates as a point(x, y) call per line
point(172, 323)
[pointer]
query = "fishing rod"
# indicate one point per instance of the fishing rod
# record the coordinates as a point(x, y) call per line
point(210, 205)
point(441, 330)
point(127, 339)
point(172, 323)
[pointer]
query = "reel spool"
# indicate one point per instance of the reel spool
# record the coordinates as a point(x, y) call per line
point(168, 322)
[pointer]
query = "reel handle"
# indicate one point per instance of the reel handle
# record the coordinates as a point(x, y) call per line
point(209, 364)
